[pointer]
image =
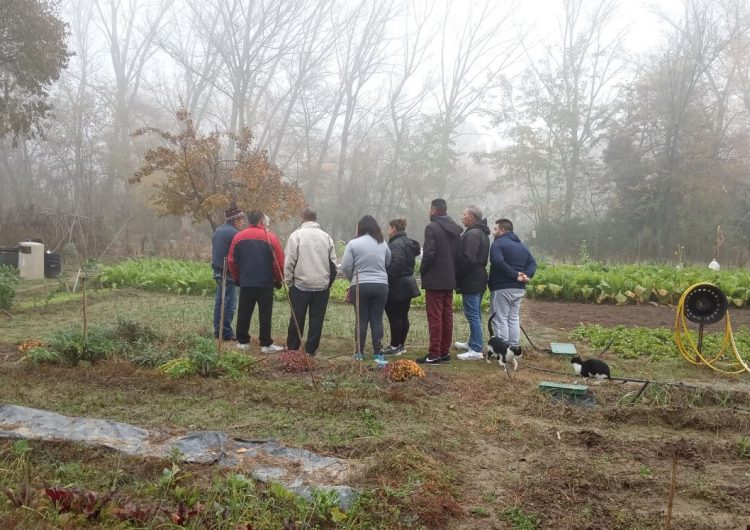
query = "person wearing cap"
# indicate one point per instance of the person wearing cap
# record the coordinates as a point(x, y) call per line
point(220, 243)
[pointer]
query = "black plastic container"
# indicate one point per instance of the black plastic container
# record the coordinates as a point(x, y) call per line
point(52, 264)
point(9, 256)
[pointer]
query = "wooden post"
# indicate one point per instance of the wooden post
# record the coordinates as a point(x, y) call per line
point(356, 313)
point(85, 316)
point(672, 484)
point(220, 338)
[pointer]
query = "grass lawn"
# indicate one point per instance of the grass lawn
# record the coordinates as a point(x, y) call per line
point(465, 447)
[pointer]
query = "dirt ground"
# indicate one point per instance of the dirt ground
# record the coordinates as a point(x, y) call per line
point(515, 458)
point(566, 316)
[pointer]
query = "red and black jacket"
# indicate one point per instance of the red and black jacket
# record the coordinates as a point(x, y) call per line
point(251, 258)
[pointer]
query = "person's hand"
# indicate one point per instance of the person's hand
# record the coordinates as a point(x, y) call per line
point(523, 278)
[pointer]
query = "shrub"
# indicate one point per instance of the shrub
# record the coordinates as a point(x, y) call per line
point(42, 355)
point(8, 281)
point(69, 344)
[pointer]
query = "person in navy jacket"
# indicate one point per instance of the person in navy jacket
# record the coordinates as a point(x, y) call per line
point(511, 267)
point(220, 243)
point(256, 264)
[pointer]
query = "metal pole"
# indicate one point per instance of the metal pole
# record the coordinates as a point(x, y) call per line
point(700, 344)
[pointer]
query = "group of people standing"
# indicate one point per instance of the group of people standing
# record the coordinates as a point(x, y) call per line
point(381, 275)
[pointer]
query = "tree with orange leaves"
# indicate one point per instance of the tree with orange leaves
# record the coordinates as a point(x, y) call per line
point(194, 180)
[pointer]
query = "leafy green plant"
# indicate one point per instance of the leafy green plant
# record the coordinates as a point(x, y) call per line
point(165, 275)
point(178, 368)
point(8, 282)
point(656, 343)
point(743, 446)
point(69, 344)
point(630, 284)
point(479, 511)
point(42, 355)
point(518, 519)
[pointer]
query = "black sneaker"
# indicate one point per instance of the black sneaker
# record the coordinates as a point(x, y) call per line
point(446, 358)
point(393, 350)
point(430, 360)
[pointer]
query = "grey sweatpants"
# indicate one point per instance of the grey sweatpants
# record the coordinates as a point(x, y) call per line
point(506, 320)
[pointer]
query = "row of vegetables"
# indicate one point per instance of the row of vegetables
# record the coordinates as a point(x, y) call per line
point(589, 283)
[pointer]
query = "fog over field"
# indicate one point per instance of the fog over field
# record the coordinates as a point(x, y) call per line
point(624, 124)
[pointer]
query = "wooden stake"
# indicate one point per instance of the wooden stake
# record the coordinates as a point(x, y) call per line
point(220, 338)
point(85, 317)
point(671, 492)
point(356, 311)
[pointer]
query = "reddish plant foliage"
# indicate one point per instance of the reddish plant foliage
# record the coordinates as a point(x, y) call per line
point(295, 361)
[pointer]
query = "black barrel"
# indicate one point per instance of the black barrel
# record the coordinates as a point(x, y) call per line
point(52, 264)
point(9, 256)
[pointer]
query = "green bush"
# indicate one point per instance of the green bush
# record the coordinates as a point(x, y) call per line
point(69, 344)
point(203, 359)
point(8, 281)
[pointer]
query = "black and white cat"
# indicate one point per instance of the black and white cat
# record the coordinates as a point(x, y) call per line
point(591, 368)
point(500, 349)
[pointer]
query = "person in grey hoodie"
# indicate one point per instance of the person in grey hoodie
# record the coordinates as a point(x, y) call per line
point(438, 271)
point(364, 263)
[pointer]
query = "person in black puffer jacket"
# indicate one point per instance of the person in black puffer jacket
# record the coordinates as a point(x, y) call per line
point(471, 278)
point(402, 286)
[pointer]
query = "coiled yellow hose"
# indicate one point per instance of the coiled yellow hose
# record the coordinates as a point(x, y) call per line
point(734, 364)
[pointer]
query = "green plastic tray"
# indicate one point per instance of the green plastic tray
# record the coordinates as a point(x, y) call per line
point(563, 348)
point(563, 388)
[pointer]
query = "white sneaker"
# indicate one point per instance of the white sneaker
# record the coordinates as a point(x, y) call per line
point(240, 346)
point(470, 355)
point(272, 348)
point(461, 345)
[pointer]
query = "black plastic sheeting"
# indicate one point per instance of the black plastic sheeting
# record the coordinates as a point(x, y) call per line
point(298, 470)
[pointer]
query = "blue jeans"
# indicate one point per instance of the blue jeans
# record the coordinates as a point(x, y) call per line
point(230, 303)
point(473, 313)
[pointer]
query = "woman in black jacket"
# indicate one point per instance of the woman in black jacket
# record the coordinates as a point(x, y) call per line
point(402, 286)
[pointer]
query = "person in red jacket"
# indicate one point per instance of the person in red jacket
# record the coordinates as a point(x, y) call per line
point(255, 262)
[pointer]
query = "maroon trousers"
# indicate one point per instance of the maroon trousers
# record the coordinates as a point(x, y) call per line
point(440, 321)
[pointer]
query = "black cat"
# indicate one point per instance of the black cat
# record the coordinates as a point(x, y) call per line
point(500, 349)
point(591, 368)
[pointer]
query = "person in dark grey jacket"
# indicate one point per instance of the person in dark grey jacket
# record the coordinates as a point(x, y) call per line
point(402, 286)
point(438, 271)
point(471, 278)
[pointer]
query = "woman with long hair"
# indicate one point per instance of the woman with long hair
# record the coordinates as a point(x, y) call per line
point(364, 264)
point(402, 286)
